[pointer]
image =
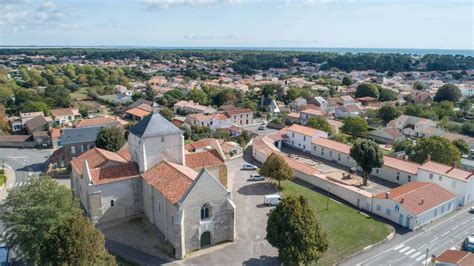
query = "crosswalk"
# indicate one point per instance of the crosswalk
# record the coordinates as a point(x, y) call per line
point(411, 252)
point(19, 184)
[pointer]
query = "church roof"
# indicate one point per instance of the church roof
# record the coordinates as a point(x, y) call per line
point(154, 125)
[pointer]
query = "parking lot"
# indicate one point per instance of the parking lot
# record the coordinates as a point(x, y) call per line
point(251, 248)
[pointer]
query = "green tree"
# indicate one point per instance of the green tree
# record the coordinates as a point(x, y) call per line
point(37, 107)
point(346, 81)
point(75, 242)
point(387, 113)
point(6, 93)
point(295, 231)
point(387, 95)
point(368, 155)
point(367, 89)
point(276, 168)
point(110, 138)
point(419, 85)
point(462, 146)
point(320, 123)
point(439, 149)
point(465, 105)
point(198, 96)
point(29, 213)
point(405, 145)
point(355, 126)
point(468, 128)
point(339, 137)
point(448, 92)
point(167, 113)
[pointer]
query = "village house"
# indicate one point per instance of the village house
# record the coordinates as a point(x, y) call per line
point(64, 116)
point(75, 141)
point(190, 107)
point(300, 137)
point(307, 114)
point(240, 116)
point(349, 110)
point(387, 135)
point(155, 178)
point(411, 126)
point(213, 121)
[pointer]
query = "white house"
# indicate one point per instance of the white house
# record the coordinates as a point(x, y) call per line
point(333, 151)
point(414, 204)
point(411, 125)
point(300, 137)
point(213, 121)
point(65, 115)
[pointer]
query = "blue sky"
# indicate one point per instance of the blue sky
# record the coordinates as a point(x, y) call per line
point(432, 24)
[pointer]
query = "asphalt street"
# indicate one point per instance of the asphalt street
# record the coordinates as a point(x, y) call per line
point(410, 248)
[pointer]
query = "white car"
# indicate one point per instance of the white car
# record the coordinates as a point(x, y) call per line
point(256, 177)
point(249, 166)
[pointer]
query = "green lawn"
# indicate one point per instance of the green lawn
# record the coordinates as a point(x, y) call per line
point(348, 231)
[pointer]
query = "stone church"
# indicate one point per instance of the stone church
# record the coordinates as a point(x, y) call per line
point(183, 194)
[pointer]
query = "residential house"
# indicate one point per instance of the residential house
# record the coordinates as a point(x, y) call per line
point(300, 137)
point(213, 121)
point(76, 141)
point(307, 114)
point(455, 258)
point(100, 121)
point(271, 106)
point(190, 107)
point(332, 151)
point(387, 135)
point(411, 126)
point(240, 116)
point(64, 116)
point(349, 110)
point(298, 104)
point(414, 204)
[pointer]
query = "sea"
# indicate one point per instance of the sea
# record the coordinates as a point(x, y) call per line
point(341, 50)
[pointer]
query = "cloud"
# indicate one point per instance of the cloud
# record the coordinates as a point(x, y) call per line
point(22, 15)
point(164, 4)
point(210, 36)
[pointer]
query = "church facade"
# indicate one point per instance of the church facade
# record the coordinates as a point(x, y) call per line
point(183, 194)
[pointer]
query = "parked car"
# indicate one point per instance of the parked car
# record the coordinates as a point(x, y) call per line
point(249, 166)
point(471, 210)
point(272, 200)
point(263, 127)
point(468, 244)
point(256, 177)
point(3, 255)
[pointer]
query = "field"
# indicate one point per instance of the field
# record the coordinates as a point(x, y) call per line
point(348, 231)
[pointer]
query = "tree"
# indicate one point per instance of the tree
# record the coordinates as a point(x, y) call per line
point(110, 138)
point(37, 107)
point(387, 113)
point(75, 242)
point(198, 96)
point(468, 129)
point(355, 126)
point(438, 148)
point(167, 113)
point(346, 81)
point(419, 85)
point(320, 123)
point(295, 231)
point(29, 213)
point(405, 145)
point(387, 95)
point(462, 146)
point(448, 92)
point(367, 89)
point(368, 155)
point(465, 105)
point(275, 167)
point(340, 138)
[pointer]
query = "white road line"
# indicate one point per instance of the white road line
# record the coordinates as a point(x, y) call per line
point(404, 249)
point(444, 234)
point(416, 254)
point(410, 251)
point(434, 239)
point(425, 262)
point(456, 227)
point(7, 166)
point(398, 247)
point(420, 257)
point(465, 222)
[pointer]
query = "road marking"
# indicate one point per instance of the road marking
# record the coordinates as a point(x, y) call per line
point(7, 166)
point(465, 222)
point(415, 254)
point(398, 247)
point(456, 227)
point(427, 261)
point(404, 249)
point(420, 257)
point(410, 251)
point(434, 239)
point(445, 233)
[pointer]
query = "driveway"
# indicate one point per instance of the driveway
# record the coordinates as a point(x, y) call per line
point(250, 248)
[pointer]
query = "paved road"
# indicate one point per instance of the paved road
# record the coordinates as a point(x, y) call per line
point(410, 248)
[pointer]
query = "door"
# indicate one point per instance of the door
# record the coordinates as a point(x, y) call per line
point(205, 239)
point(408, 222)
point(400, 219)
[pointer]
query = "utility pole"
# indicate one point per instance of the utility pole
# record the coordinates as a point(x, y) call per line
point(327, 202)
point(426, 260)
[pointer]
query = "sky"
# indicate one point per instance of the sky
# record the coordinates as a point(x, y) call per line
point(424, 24)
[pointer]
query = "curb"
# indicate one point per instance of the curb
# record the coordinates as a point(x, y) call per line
point(370, 247)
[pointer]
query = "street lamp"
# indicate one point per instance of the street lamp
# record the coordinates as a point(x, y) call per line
point(327, 202)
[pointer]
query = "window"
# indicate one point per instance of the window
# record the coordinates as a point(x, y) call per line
point(338, 156)
point(377, 170)
point(112, 203)
point(409, 178)
point(378, 208)
point(449, 206)
point(314, 148)
point(442, 209)
point(172, 220)
point(293, 134)
point(73, 149)
point(431, 176)
point(330, 153)
point(304, 147)
point(205, 212)
point(304, 138)
point(440, 178)
point(162, 139)
point(436, 212)
point(159, 207)
point(388, 212)
point(398, 177)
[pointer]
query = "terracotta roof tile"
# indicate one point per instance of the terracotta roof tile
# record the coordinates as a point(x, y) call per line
point(419, 197)
point(406, 166)
point(456, 257)
point(138, 112)
point(303, 130)
point(446, 170)
point(333, 145)
point(97, 121)
point(64, 112)
point(171, 180)
point(207, 158)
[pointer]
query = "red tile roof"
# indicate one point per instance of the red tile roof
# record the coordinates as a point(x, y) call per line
point(456, 257)
point(419, 197)
point(64, 112)
point(446, 170)
point(239, 111)
point(207, 158)
point(308, 131)
point(97, 121)
point(170, 179)
point(138, 112)
point(333, 145)
point(406, 166)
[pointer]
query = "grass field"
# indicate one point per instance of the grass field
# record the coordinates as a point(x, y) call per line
point(348, 231)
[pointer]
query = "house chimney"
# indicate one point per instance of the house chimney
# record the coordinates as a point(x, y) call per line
point(422, 201)
point(387, 195)
point(402, 200)
point(428, 157)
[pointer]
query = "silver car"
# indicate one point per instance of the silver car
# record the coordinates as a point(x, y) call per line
point(249, 166)
point(256, 177)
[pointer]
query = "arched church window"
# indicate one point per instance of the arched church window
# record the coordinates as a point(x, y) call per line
point(205, 212)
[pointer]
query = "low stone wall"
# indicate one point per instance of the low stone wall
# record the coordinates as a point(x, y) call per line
point(11, 144)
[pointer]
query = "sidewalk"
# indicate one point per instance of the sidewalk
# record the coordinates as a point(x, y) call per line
point(10, 173)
